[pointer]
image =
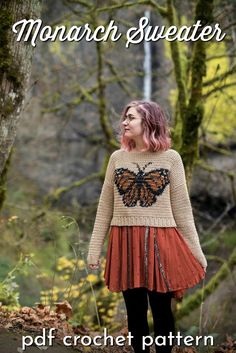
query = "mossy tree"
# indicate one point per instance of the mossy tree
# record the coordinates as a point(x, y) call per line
point(189, 77)
point(15, 65)
point(190, 105)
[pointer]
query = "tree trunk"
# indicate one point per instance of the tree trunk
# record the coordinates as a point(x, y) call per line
point(15, 66)
point(193, 116)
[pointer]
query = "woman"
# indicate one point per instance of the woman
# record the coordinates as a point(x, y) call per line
point(153, 251)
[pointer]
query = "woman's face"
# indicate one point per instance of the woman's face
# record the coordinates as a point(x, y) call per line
point(132, 124)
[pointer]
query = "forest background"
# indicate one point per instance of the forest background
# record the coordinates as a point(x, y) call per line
point(59, 123)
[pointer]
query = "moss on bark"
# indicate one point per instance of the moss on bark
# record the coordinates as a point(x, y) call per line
point(3, 180)
point(193, 116)
point(7, 66)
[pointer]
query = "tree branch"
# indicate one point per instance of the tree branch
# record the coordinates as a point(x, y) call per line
point(212, 169)
point(216, 149)
point(57, 193)
point(122, 82)
point(213, 57)
point(194, 301)
point(216, 259)
point(232, 24)
point(175, 53)
point(219, 88)
point(160, 9)
point(80, 2)
point(193, 116)
point(230, 174)
point(220, 77)
point(101, 97)
point(86, 93)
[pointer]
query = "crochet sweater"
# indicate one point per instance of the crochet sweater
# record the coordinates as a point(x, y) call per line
point(145, 188)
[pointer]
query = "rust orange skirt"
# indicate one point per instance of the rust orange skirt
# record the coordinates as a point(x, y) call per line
point(156, 258)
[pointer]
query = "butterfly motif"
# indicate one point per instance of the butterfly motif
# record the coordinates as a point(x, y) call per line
point(141, 186)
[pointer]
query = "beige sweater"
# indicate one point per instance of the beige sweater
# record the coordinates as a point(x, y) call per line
point(145, 188)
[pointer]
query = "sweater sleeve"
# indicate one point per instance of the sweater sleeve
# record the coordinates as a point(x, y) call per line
point(103, 215)
point(182, 210)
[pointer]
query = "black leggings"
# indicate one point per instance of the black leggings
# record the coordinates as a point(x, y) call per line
point(136, 301)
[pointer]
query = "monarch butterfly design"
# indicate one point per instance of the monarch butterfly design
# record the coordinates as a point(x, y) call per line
point(142, 187)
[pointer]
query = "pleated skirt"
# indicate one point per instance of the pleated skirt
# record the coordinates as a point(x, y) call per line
point(156, 258)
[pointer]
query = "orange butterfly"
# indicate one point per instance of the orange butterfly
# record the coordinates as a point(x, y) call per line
point(142, 187)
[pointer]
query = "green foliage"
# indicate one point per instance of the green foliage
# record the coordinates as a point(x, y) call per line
point(9, 294)
point(220, 109)
point(39, 232)
point(58, 269)
point(219, 123)
point(229, 239)
point(217, 242)
point(213, 243)
point(93, 304)
point(5, 267)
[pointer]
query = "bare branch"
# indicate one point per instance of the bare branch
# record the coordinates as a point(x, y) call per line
point(216, 259)
point(80, 2)
point(160, 9)
point(220, 77)
point(121, 81)
point(218, 88)
point(101, 96)
point(216, 149)
point(213, 57)
point(86, 94)
point(232, 24)
point(229, 173)
point(211, 168)
point(60, 20)
point(57, 193)
point(219, 219)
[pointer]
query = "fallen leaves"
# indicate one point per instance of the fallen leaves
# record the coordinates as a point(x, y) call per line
point(41, 316)
point(184, 350)
point(64, 308)
point(227, 347)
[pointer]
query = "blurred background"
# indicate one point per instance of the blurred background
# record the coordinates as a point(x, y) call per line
point(67, 130)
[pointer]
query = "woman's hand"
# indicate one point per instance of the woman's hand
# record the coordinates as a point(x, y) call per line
point(94, 266)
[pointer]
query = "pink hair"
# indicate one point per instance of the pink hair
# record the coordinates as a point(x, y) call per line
point(156, 135)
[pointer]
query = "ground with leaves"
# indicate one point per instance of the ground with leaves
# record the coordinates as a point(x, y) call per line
point(31, 322)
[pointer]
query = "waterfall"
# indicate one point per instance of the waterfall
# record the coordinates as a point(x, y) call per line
point(147, 66)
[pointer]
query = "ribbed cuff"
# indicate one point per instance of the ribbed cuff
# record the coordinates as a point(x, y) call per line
point(92, 259)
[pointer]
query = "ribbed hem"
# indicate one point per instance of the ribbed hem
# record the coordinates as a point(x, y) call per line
point(143, 221)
